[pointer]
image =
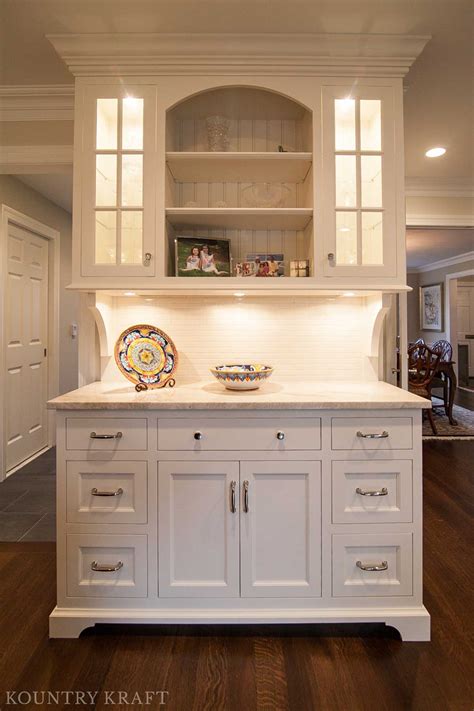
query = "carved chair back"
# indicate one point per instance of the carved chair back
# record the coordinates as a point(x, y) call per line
point(444, 348)
point(422, 364)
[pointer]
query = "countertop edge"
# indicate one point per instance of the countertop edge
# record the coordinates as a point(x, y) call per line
point(340, 405)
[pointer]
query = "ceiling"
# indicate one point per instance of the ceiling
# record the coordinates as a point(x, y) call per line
point(56, 187)
point(438, 109)
point(430, 245)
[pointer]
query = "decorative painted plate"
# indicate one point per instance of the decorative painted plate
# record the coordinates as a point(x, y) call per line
point(146, 356)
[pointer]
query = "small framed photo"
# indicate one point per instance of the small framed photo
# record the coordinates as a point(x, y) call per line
point(431, 307)
point(262, 265)
point(202, 257)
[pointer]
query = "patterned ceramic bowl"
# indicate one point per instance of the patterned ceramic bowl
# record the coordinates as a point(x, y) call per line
point(242, 377)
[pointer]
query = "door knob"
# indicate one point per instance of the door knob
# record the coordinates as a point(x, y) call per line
point(198, 435)
point(280, 436)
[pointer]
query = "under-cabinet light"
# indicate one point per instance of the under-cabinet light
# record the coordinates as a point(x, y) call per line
point(239, 294)
point(349, 293)
point(129, 293)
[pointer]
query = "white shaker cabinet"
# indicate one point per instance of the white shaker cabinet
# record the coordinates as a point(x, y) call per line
point(327, 528)
point(280, 529)
point(198, 529)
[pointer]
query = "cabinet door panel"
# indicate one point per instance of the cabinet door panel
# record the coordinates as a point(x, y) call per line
point(198, 532)
point(281, 530)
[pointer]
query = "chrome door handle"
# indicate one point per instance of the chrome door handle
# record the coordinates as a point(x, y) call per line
point(233, 507)
point(373, 435)
point(98, 568)
point(280, 436)
point(198, 435)
point(147, 259)
point(96, 492)
point(246, 496)
point(372, 568)
point(377, 492)
point(117, 435)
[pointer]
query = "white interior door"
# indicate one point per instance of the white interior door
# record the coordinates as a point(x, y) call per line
point(465, 314)
point(26, 338)
point(280, 524)
point(198, 529)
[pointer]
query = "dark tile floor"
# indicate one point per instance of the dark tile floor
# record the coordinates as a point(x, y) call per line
point(28, 502)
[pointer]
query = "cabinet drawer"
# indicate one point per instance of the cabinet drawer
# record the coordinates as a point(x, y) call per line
point(100, 434)
point(372, 433)
point(106, 492)
point(372, 492)
point(125, 556)
point(390, 552)
point(206, 434)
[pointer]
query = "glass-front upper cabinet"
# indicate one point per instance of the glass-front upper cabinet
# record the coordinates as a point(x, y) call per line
point(118, 169)
point(359, 205)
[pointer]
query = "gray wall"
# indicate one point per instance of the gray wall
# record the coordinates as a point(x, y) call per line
point(20, 197)
point(434, 276)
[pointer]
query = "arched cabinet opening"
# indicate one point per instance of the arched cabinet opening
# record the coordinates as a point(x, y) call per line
point(239, 168)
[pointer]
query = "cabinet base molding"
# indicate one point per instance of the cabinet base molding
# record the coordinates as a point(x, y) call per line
point(413, 623)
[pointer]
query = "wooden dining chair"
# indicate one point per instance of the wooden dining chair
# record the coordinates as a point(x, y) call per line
point(445, 350)
point(422, 365)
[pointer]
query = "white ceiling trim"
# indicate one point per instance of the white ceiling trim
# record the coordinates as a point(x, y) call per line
point(441, 263)
point(434, 187)
point(35, 159)
point(451, 221)
point(272, 53)
point(37, 103)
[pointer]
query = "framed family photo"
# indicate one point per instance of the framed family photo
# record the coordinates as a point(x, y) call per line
point(431, 307)
point(202, 257)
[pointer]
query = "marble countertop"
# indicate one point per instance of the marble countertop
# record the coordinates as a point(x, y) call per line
point(272, 395)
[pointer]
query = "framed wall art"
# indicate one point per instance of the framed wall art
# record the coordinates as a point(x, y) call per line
point(431, 307)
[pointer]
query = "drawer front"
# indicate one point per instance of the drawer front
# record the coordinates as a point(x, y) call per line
point(206, 434)
point(103, 434)
point(372, 492)
point(391, 553)
point(372, 433)
point(106, 492)
point(125, 556)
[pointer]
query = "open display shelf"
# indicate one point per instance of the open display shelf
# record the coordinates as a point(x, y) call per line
point(238, 167)
point(227, 193)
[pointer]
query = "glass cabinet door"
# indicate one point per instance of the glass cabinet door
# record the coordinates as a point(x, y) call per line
point(359, 214)
point(118, 183)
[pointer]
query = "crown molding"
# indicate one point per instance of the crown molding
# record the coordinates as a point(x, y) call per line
point(439, 187)
point(37, 103)
point(441, 263)
point(35, 159)
point(273, 53)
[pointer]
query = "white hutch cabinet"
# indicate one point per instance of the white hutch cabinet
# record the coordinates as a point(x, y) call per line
point(328, 133)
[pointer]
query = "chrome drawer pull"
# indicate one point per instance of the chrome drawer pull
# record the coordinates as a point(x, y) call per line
point(377, 492)
point(117, 435)
point(198, 435)
point(280, 436)
point(96, 492)
point(232, 497)
point(371, 435)
point(372, 568)
point(246, 496)
point(98, 568)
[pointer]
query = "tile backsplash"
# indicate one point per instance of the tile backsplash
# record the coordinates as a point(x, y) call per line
point(303, 338)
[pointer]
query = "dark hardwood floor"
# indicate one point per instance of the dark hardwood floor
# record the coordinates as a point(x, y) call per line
point(307, 668)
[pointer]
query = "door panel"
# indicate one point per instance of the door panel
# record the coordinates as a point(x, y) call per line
point(198, 532)
point(281, 531)
point(26, 336)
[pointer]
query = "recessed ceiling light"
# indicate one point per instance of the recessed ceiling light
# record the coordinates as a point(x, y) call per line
point(129, 293)
point(435, 152)
point(239, 294)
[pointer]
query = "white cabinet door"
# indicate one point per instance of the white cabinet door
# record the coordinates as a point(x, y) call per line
point(280, 525)
point(359, 206)
point(117, 167)
point(198, 529)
